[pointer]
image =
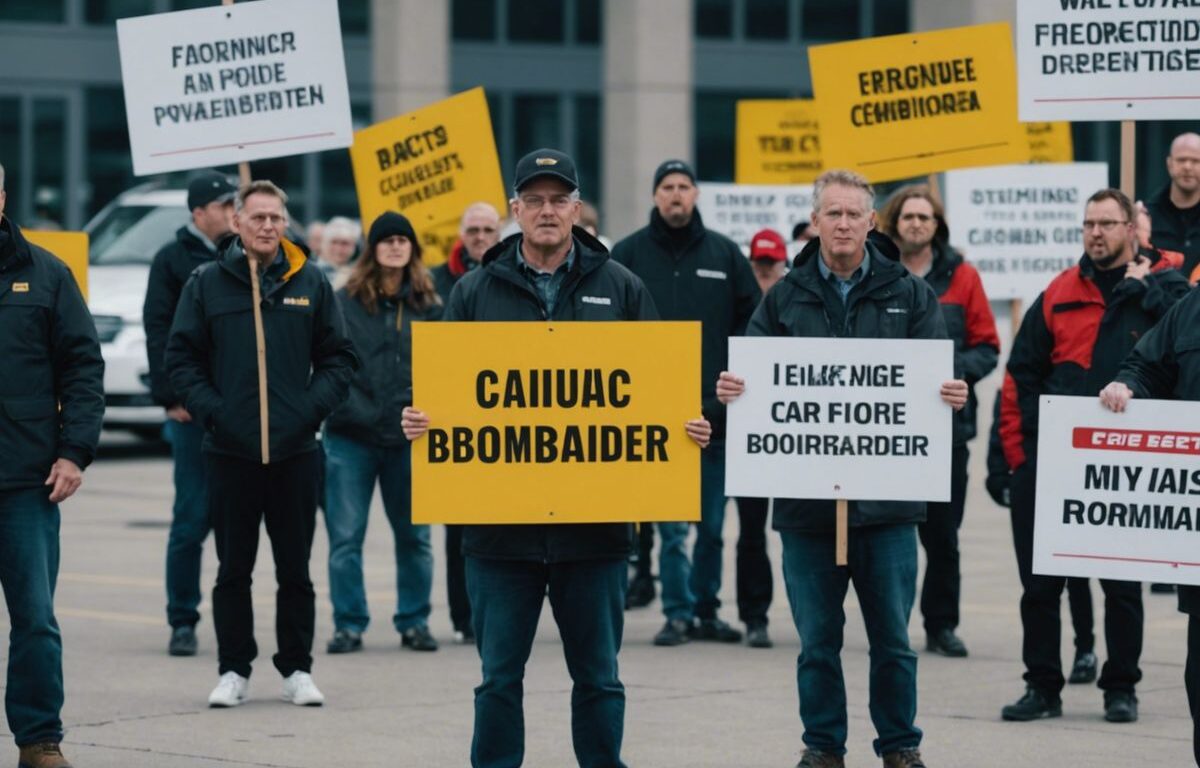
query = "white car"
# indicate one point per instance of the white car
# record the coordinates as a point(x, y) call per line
point(125, 235)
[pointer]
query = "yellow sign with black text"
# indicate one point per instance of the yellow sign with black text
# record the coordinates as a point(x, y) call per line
point(556, 422)
point(430, 165)
point(777, 142)
point(70, 247)
point(910, 105)
point(1050, 142)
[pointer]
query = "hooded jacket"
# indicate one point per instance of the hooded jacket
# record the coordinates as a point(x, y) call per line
point(172, 266)
point(696, 274)
point(212, 359)
point(497, 291)
point(889, 303)
point(52, 394)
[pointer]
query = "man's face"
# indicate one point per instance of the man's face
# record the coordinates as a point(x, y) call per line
point(480, 230)
point(338, 250)
point(215, 220)
point(767, 272)
point(675, 199)
point(1183, 164)
point(843, 221)
point(916, 225)
point(260, 224)
point(1107, 234)
point(545, 211)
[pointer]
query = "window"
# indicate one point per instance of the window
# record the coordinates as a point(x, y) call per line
point(10, 153)
point(766, 19)
point(109, 165)
point(50, 168)
point(891, 17)
point(535, 21)
point(44, 11)
point(355, 15)
point(535, 123)
point(338, 195)
point(587, 21)
point(715, 118)
point(829, 20)
point(473, 19)
point(714, 19)
point(589, 127)
point(108, 11)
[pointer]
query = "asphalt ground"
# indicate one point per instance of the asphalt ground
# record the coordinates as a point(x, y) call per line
point(130, 704)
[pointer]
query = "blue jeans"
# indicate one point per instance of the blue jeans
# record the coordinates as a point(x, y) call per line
point(189, 523)
point(588, 601)
point(33, 697)
point(351, 469)
point(690, 587)
point(883, 566)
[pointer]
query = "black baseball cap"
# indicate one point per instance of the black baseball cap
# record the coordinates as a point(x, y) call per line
point(546, 163)
point(673, 166)
point(209, 187)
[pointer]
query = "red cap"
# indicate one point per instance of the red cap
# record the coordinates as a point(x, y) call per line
point(768, 244)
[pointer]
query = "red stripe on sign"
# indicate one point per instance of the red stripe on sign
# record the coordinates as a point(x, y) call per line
point(1140, 440)
point(242, 144)
point(1116, 559)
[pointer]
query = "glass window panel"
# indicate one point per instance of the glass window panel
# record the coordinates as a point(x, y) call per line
point(891, 17)
point(108, 11)
point(473, 19)
point(714, 135)
point(109, 166)
point(587, 21)
point(46, 11)
point(588, 128)
point(10, 153)
point(50, 168)
point(536, 122)
point(829, 19)
point(766, 19)
point(535, 21)
point(714, 19)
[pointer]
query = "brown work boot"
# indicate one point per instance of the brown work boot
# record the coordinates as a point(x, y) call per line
point(905, 758)
point(813, 758)
point(45, 755)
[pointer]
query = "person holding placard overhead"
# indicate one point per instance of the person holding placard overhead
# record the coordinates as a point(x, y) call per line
point(1070, 343)
point(848, 283)
point(915, 220)
point(551, 271)
point(1165, 365)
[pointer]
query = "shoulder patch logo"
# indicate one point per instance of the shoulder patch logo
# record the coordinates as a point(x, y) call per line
point(896, 310)
point(20, 287)
point(296, 301)
point(713, 274)
point(601, 300)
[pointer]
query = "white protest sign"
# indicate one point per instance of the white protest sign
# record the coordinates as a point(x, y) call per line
point(1108, 59)
point(856, 419)
point(1020, 225)
point(222, 85)
point(738, 211)
point(1118, 494)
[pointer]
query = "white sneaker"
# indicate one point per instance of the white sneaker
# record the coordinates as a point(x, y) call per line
point(231, 690)
point(300, 689)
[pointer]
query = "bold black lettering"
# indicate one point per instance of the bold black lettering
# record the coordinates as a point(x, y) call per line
point(482, 396)
point(463, 450)
point(438, 452)
point(656, 442)
point(615, 379)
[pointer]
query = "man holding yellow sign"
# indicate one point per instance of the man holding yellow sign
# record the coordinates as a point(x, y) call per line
point(552, 271)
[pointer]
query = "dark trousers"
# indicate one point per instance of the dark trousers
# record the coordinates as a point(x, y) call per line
point(1079, 597)
point(755, 585)
point(189, 523)
point(1041, 609)
point(33, 696)
point(942, 587)
point(588, 601)
point(645, 549)
point(1191, 679)
point(456, 580)
point(242, 495)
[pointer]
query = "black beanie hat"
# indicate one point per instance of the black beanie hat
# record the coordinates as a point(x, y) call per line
point(673, 166)
point(389, 224)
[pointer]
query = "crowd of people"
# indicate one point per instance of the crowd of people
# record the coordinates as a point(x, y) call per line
point(286, 377)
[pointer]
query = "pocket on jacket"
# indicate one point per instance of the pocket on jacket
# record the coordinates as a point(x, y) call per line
point(28, 438)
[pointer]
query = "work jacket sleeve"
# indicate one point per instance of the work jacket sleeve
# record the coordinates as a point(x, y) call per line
point(456, 305)
point(333, 358)
point(78, 375)
point(187, 356)
point(1150, 369)
point(162, 296)
point(638, 301)
point(981, 348)
point(765, 319)
point(925, 320)
point(1163, 289)
point(1029, 366)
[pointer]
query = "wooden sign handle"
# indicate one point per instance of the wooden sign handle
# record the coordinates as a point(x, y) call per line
point(1014, 311)
point(843, 533)
point(1128, 157)
point(260, 343)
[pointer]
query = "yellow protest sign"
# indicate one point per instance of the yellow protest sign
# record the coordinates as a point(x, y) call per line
point(430, 165)
point(1050, 142)
point(910, 105)
point(70, 247)
point(556, 422)
point(777, 142)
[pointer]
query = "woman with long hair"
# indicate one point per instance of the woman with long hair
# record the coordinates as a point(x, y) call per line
point(388, 289)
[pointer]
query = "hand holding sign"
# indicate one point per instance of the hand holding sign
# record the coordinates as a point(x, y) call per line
point(414, 423)
point(954, 393)
point(1116, 396)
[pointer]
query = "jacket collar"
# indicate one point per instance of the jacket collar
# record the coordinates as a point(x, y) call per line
point(807, 274)
point(21, 252)
point(234, 260)
point(664, 233)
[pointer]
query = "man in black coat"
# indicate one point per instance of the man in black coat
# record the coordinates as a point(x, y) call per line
point(210, 199)
point(553, 270)
point(261, 464)
point(51, 409)
point(1175, 210)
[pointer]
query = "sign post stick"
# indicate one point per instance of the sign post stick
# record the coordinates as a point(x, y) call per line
point(1128, 156)
point(1014, 311)
point(843, 532)
point(934, 188)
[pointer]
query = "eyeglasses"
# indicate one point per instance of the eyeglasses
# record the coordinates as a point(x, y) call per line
point(536, 202)
point(258, 220)
point(483, 230)
point(921, 217)
point(1104, 225)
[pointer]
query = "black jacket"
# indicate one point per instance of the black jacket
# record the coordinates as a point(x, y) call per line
point(382, 386)
point(52, 393)
point(1071, 343)
point(803, 304)
point(497, 291)
point(172, 266)
point(1175, 230)
point(212, 360)
point(696, 274)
